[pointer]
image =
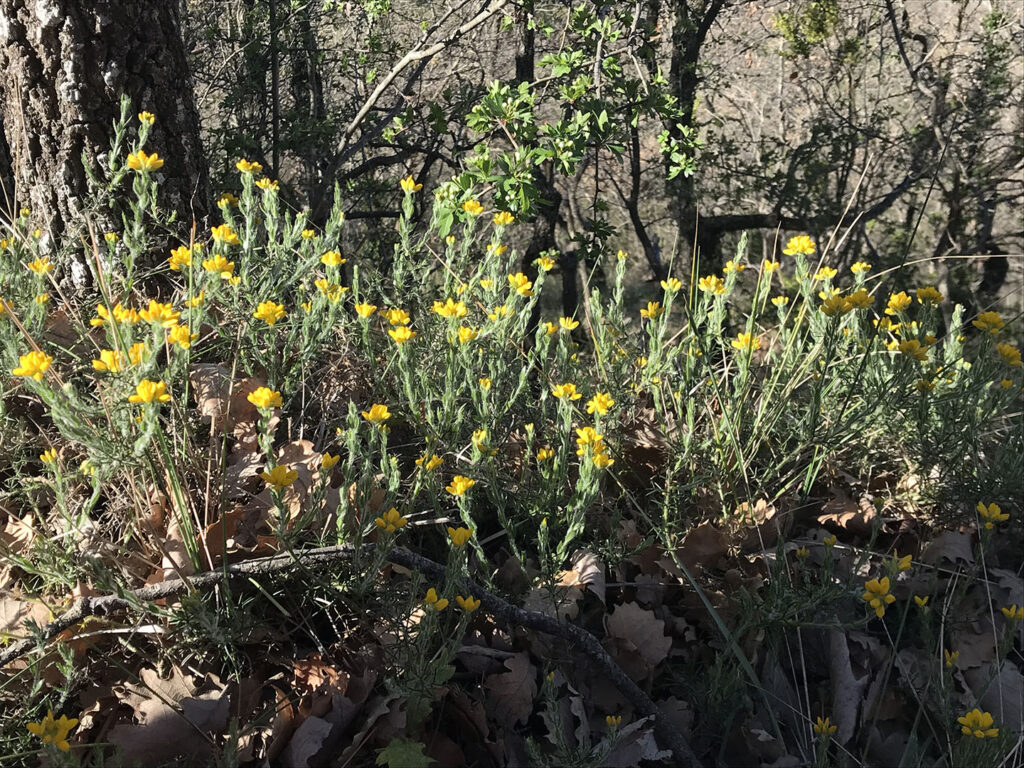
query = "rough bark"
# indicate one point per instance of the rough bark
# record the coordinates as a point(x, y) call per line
point(691, 22)
point(64, 65)
point(6, 176)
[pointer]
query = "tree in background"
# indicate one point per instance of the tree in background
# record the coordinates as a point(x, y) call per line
point(64, 66)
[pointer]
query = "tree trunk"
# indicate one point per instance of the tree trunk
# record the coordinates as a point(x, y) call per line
point(64, 65)
point(691, 22)
point(6, 176)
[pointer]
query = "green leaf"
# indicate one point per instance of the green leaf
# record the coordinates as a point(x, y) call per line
point(403, 753)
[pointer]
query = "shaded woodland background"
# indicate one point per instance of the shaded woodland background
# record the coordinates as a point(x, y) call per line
point(895, 126)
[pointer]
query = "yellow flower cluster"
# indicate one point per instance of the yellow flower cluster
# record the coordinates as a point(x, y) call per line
point(876, 594)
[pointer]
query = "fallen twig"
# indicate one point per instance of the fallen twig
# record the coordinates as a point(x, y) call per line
point(579, 640)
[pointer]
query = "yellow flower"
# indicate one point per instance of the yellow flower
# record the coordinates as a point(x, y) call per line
point(307, 234)
point(87, 468)
point(147, 117)
point(921, 601)
point(280, 477)
point(600, 402)
point(978, 724)
point(42, 298)
point(550, 327)
point(769, 266)
point(459, 485)
point(220, 265)
point(801, 244)
point(924, 385)
point(1006, 383)
point(912, 348)
point(227, 199)
point(480, 438)
point(450, 241)
point(498, 312)
point(137, 352)
point(196, 300)
point(110, 361)
point(897, 303)
point(121, 315)
point(327, 461)
point(566, 390)
point(877, 595)
point(377, 414)
point(487, 284)
point(746, 341)
point(622, 255)
point(409, 184)
point(950, 657)
point(50, 457)
point(332, 259)
point(496, 248)
point(901, 563)
point(653, 309)
point(332, 291)
point(1014, 612)
point(396, 316)
point(802, 552)
point(223, 233)
point(1010, 354)
point(991, 514)
point(246, 167)
point(391, 521)
point(601, 459)
point(40, 265)
point(835, 305)
point(33, 365)
point(860, 299)
point(712, 284)
point(472, 207)
point(180, 257)
point(829, 541)
point(459, 536)
point(267, 185)
point(732, 266)
point(401, 334)
point(929, 294)
point(468, 604)
point(450, 308)
point(53, 731)
point(147, 391)
point(780, 301)
point(182, 336)
point(989, 321)
point(438, 604)
point(613, 721)
point(269, 312)
point(484, 382)
point(521, 284)
point(365, 310)
point(588, 438)
point(825, 273)
point(140, 161)
point(545, 263)
point(671, 285)
point(545, 453)
point(824, 727)
point(161, 314)
point(429, 463)
point(503, 218)
point(568, 323)
point(264, 398)
point(467, 334)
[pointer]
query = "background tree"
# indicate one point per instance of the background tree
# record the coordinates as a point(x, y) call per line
point(64, 66)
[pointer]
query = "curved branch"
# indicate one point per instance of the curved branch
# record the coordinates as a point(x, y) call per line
point(584, 643)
